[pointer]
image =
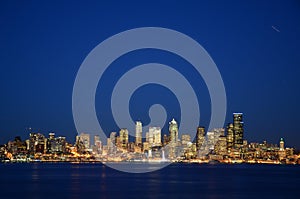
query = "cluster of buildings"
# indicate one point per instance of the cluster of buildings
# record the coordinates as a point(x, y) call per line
point(218, 145)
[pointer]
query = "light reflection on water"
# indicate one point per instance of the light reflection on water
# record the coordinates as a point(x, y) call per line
point(178, 180)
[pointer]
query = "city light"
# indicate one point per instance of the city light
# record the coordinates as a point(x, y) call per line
point(215, 146)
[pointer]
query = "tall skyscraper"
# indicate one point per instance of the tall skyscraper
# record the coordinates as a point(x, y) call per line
point(111, 143)
point(138, 133)
point(173, 130)
point(281, 144)
point(200, 136)
point(154, 136)
point(238, 128)
point(124, 138)
point(230, 136)
point(97, 144)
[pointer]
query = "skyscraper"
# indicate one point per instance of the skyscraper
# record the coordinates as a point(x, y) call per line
point(230, 136)
point(238, 129)
point(111, 143)
point(124, 138)
point(97, 144)
point(173, 129)
point(85, 139)
point(154, 136)
point(281, 144)
point(138, 133)
point(200, 136)
point(220, 146)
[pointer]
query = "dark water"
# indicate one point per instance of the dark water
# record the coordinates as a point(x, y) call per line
point(61, 180)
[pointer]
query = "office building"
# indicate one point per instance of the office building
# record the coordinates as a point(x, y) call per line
point(238, 129)
point(138, 133)
point(200, 136)
point(173, 130)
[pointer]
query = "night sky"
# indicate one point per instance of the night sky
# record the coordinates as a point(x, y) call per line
point(255, 45)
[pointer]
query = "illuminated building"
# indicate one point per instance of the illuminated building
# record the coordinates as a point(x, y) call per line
point(111, 143)
point(281, 152)
point(210, 140)
point(230, 137)
point(138, 133)
point(281, 144)
point(147, 137)
point(238, 129)
point(51, 136)
point(173, 130)
point(56, 145)
point(145, 146)
point(124, 138)
point(37, 143)
point(97, 144)
point(154, 136)
point(221, 146)
point(200, 136)
point(85, 139)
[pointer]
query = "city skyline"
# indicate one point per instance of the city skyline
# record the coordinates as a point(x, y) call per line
point(254, 45)
point(218, 145)
point(141, 136)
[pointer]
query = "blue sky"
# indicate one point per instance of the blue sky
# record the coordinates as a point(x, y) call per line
point(254, 44)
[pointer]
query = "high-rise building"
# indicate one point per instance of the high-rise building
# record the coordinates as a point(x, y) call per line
point(173, 130)
point(221, 146)
point(111, 143)
point(230, 136)
point(154, 136)
point(281, 144)
point(37, 143)
point(51, 136)
point(200, 136)
point(124, 138)
point(85, 139)
point(210, 140)
point(238, 129)
point(58, 145)
point(97, 144)
point(147, 137)
point(138, 133)
point(281, 152)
